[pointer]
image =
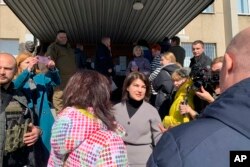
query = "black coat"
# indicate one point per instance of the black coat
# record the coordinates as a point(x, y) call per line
point(163, 85)
point(179, 53)
point(103, 60)
point(202, 60)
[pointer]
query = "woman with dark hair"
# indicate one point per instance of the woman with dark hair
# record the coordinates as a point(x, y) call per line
point(85, 132)
point(140, 119)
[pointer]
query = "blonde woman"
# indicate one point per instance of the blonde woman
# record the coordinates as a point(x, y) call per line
point(163, 84)
point(139, 63)
point(37, 87)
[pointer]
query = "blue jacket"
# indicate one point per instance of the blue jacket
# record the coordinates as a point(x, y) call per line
point(42, 106)
point(206, 142)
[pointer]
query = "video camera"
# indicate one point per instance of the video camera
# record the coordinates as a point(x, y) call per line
point(203, 76)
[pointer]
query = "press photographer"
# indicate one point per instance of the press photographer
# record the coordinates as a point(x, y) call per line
point(206, 84)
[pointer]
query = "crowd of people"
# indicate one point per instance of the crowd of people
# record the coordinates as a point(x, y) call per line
point(168, 115)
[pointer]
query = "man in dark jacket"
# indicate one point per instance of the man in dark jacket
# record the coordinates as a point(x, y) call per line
point(63, 55)
point(177, 50)
point(199, 56)
point(16, 149)
point(103, 60)
point(223, 127)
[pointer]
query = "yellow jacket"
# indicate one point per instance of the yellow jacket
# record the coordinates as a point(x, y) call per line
point(175, 118)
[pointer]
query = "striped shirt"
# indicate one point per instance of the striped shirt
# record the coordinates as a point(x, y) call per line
point(155, 63)
point(152, 76)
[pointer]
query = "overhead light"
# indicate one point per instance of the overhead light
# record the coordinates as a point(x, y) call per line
point(138, 5)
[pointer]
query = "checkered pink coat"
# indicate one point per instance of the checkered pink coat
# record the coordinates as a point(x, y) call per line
point(86, 141)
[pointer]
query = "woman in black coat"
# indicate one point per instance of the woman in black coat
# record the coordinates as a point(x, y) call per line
point(163, 83)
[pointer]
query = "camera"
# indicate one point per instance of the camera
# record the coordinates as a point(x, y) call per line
point(203, 76)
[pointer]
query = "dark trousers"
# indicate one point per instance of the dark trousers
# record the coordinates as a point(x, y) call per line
point(21, 157)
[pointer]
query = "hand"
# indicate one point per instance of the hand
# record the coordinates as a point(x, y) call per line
point(183, 109)
point(30, 138)
point(204, 95)
point(32, 62)
point(163, 129)
point(51, 64)
point(186, 109)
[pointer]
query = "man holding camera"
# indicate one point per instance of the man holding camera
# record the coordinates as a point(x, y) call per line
point(224, 125)
point(202, 93)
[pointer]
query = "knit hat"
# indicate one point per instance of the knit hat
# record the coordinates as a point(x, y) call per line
point(29, 46)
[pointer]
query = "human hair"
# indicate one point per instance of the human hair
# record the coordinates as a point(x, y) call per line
point(88, 88)
point(169, 56)
point(176, 39)
point(136, 47)
point(156, 47)
point(104, 38)
point(20, 58)
point(217, 60)
point(61, 31)
point(198, 42)
point(180, 73)
point(128, 81)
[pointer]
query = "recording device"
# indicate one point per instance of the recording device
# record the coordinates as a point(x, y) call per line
point(203, 76)
point(43, 59)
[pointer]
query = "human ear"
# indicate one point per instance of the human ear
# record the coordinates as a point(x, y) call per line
point(228, 62)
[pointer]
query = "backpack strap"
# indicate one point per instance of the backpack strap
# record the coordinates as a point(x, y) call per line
point(5, 100)
point(22, 100)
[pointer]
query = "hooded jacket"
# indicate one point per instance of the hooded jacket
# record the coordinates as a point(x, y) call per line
point(223, 127)
point(78, 138)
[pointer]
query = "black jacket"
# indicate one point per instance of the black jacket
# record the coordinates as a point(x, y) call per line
point(163, 85)
point(179, 53)
point(206, 142)
point(103, 60)
point(202, 60)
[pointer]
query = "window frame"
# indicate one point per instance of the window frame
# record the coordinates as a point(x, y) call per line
point(189, 54)
point(241, 9)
